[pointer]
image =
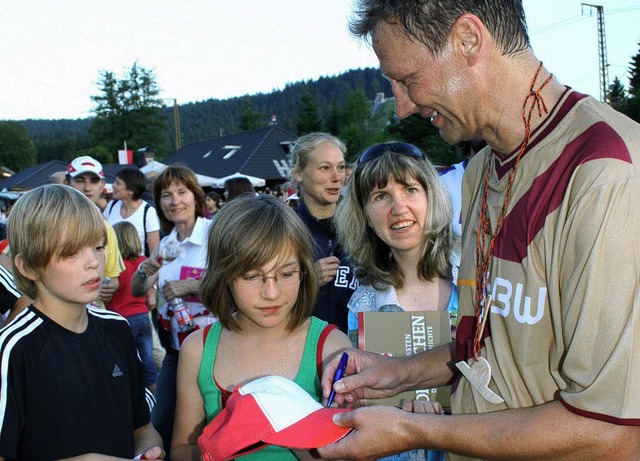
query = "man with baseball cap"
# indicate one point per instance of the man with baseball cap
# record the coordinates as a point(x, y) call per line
point(85, 174)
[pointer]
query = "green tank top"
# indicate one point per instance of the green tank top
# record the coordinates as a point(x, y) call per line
point(307, 378)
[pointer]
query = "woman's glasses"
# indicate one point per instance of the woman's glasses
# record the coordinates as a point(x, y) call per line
point(283, 278)
point(401, 148)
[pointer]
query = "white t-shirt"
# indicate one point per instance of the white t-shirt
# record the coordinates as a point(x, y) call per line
point(112, 213)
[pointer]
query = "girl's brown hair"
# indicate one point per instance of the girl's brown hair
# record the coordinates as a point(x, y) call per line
point(248, 232)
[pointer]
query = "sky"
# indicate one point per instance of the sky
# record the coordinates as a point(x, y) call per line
point(53, 52)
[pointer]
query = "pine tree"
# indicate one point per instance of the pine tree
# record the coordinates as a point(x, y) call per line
point(128, 110)
point(634, 75)
point(420, 132)
point(16, 149)
point(617, 94)
point(308, 118)
point(355, 123)
point(251, 119)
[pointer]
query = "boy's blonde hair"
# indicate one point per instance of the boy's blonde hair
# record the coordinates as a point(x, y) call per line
point(250, 231)
point(51, 221)
point(128, 240)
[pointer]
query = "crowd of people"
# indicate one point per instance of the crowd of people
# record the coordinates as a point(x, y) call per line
point(538, 283)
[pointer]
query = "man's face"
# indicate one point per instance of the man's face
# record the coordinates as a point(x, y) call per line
point(89, 184)
point(434, 87)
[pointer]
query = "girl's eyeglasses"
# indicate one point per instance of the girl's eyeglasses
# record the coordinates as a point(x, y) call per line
point(401, 148)
point(283, 278)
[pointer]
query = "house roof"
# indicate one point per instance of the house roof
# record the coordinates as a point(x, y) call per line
point(33, 176)
point(262, 153)
point(39, 174)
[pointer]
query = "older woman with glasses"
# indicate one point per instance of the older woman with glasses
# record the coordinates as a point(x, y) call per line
point(395, 223)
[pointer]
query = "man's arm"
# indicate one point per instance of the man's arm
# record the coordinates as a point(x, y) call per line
point(546, 431)
point(373, 376)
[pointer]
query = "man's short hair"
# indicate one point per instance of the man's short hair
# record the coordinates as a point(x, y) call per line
point(430, 21)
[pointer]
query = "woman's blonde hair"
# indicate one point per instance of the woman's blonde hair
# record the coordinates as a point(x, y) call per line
point(50, 222)
point(306, 144)
point(128, 240)
point(248, 233)
point(369, 255)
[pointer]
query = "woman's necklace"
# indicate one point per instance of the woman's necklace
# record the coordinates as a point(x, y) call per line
point(479, 373)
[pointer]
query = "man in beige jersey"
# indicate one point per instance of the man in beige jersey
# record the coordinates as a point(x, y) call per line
point(546, 361)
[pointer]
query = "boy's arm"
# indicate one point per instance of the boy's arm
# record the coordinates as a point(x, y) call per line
point(148, 442)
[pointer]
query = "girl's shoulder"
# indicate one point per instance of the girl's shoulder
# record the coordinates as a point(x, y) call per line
point(194, 343)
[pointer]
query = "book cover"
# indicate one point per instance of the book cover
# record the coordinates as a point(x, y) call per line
point(399, 334)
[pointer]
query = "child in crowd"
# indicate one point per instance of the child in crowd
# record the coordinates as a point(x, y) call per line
point(71, 381)
point(134, 308)
point(260, 283)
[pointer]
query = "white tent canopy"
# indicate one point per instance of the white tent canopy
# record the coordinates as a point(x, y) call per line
point(154, 168)
point(219, 183)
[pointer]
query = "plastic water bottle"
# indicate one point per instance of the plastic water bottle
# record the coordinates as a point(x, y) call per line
point(170, 252)
point(181, 314)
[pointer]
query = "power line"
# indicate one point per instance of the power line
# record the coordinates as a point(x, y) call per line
point(579, 18)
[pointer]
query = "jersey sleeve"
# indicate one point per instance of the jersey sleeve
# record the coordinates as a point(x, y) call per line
point(599, 277)
point(114, 264)
point(11, 413)
point(9, 293)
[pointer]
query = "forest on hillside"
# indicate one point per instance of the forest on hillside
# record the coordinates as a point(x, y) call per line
point(62, 139)
point(342, 105)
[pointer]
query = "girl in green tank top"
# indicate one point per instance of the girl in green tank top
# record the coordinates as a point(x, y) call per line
point(261, 284)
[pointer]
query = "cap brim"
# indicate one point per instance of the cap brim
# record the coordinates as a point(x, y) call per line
point(314, 431)
point(78, 173)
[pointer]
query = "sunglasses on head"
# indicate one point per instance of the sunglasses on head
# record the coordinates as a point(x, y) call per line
point(401, 148)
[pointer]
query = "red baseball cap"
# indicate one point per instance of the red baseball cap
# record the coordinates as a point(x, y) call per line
point(269, 411)
point(85, 164)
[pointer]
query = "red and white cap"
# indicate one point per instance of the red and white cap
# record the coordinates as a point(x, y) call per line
point(269, 411)
point(85, 164)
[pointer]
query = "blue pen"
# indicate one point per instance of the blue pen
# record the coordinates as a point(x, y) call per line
point(342, 366)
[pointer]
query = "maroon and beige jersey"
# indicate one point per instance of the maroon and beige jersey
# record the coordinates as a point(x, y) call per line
point(565, 273)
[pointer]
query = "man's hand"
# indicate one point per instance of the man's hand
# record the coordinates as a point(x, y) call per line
point(368, 376)
point(378, 431)
point(422, 406)
point(326, 269)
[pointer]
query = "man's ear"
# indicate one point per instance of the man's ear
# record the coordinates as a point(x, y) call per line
point(23, 269)
point(468, 37)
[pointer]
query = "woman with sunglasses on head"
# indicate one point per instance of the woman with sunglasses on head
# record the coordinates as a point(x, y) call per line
point(260, 283)
point(395, 223)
